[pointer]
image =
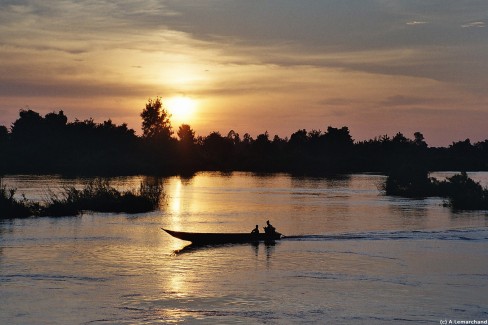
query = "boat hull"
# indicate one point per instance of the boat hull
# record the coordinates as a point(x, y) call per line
point(222, 238)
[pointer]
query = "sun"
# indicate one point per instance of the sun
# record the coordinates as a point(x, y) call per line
point(182, 109)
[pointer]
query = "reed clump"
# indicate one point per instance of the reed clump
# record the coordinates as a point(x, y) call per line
point(10, 207)
point(96, 196)
point(99, 196)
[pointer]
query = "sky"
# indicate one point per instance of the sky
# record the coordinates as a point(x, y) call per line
point(376, 66)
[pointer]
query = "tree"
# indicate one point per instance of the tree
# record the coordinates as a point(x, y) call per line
point(263, 138)
point(299, 139)
point(262, 145)
point(186, 134)
point(29, 126)
point(247, 140)
point(461, 147)
point(3, 133)
point(314, 137)
point(338, 138)
point(234, 137)
point(399, 138)
point(156, 122)
point(56, 120)
point(218, 150)
point(419, 140)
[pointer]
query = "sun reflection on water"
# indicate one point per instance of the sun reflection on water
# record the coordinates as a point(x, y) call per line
point(175, 200)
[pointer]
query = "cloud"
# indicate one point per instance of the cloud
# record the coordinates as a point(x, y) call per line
point(279, 53)
point(337, 101)
point(401, 100)
point(69, 89)
point(416, 22)
point(475, 24)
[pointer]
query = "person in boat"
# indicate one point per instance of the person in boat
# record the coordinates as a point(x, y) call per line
point(269, 229)
point(255, 231)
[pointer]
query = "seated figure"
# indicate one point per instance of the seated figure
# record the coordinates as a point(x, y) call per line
point(269, 229)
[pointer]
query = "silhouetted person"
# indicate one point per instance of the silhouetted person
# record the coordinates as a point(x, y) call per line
point(255, 231)
point(269, 229)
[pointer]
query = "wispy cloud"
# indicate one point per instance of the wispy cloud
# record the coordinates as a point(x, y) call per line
point(416, 22)
point(401, 100)
point(475, 24)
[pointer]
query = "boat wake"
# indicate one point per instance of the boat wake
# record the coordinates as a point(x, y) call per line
point(478, 234)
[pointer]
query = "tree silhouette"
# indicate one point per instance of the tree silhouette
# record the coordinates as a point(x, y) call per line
point(462, 147)
point(51, 144)
point(338, 139)
point(218, 151)
point(4, 142)
point(54, 120)
point(156, 122)
point(262, 145)
point(3, 134)
point(186, 134)
point(234, 137)
point(28, 126)
point(299, 139)
point(187, 150)
point(419, 140)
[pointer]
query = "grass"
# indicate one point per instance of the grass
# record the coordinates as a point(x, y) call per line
point(14, 208)
point(97, 196)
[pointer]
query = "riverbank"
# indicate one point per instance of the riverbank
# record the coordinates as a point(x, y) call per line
point(50, 144)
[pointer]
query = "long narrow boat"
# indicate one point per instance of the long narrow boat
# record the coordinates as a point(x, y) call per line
point(206, 238)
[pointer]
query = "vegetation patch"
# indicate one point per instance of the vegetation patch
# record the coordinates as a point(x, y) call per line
point(96, 196)
point(461, 192)
point(14, 208)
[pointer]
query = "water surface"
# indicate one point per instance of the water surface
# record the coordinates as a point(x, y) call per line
point(353, 256)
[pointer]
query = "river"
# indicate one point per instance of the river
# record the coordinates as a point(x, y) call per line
point(352, 256)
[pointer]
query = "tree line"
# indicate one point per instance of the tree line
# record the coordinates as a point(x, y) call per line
point(51, 144)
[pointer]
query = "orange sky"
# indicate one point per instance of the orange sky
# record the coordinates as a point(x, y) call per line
point(376, 66)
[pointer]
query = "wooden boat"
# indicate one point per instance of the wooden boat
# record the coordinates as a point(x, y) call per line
point(206, 238)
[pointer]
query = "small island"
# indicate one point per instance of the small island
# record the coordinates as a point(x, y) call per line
point(461, 192)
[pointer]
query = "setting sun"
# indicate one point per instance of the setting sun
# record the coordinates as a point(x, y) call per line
point(181, 109)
